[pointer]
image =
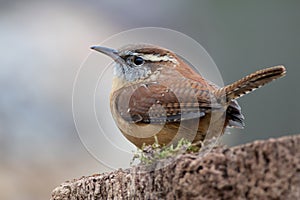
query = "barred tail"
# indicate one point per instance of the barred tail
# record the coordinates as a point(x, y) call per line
point(251, 82)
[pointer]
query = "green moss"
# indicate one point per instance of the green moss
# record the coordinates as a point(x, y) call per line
point(150, 154)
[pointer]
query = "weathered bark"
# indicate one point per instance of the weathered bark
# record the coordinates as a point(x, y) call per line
point(260, 170)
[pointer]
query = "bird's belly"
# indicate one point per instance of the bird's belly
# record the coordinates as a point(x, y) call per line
point(193, 130)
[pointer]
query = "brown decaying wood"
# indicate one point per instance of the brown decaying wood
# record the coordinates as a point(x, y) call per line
point(259, 170)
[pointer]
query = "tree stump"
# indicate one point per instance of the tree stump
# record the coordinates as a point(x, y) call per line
point(259, 170)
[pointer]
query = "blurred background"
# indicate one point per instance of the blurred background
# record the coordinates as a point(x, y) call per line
point(43, 44)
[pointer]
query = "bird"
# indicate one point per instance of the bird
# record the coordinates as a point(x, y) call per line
point(158, 96)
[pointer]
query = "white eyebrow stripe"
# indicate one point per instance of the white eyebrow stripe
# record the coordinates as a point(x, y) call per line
point(156, 57)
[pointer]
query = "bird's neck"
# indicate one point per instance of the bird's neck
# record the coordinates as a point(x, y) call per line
point(131, 74)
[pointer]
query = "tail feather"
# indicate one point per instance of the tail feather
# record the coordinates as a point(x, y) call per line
point(251, 82)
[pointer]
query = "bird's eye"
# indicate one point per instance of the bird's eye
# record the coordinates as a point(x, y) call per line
point(138, 60)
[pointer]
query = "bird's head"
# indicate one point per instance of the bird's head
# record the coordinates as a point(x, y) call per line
point(139, 62)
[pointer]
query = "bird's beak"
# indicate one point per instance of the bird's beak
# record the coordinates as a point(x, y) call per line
point(107, 51)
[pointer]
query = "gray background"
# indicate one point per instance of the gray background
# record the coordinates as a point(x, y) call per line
point(44, 42)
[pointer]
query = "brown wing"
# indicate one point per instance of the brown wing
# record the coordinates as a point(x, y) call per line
point(162, 103)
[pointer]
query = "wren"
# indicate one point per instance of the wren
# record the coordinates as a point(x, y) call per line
point(155, 93)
